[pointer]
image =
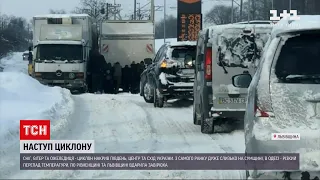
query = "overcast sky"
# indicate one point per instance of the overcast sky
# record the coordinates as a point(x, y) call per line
point(30, 8)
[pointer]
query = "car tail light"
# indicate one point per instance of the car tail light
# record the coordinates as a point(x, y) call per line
point(37, 74)
point(208, 64)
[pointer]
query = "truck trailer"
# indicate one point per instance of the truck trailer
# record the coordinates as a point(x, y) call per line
point(61, 46)
point(125, 41)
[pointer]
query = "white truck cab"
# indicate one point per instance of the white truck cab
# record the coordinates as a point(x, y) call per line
point(61, 49)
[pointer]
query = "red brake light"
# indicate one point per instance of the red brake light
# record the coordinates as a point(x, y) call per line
point(208, 64)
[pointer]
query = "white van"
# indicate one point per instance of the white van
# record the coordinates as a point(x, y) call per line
point(229, 50)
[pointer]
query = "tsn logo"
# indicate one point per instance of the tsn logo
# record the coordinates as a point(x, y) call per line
point(34, 129)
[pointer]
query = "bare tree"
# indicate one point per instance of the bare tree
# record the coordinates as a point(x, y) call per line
point(57, 11)
point(171, 28)
point(92, 8)
point(14, 34)
point(218, 15)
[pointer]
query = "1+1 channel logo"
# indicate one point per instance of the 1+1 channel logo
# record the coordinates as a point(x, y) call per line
point(34, 129)
point(291, 15)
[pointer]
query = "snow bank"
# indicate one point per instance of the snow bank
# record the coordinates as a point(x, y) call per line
point(14, 63)
point(23, 97)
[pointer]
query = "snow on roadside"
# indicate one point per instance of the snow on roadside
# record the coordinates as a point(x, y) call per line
point(22, 97)
point(14, 63)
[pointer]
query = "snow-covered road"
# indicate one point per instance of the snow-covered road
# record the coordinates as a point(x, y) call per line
point(125, 123)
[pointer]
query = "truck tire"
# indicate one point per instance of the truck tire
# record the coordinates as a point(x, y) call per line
point(150, 98)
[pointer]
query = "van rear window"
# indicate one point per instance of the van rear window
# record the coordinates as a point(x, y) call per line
point(240, 49)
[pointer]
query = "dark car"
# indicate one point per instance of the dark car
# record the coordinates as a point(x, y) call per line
point(170, 75)
point(25, 56)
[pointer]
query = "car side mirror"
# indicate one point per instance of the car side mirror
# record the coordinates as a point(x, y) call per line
point(241, 80)
point(147, 61)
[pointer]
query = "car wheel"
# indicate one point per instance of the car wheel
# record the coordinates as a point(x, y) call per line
point(160, 102)
point(195, 119)
point(157, 101)
point(147, 92)
point(155, 104)
point(207, 126)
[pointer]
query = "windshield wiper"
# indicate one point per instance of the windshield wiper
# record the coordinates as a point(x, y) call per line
point(221, 62)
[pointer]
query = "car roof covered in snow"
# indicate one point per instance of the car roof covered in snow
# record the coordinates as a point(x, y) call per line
point(305, 23)
point(60, 15)
point(183, 43)
point(255, 22)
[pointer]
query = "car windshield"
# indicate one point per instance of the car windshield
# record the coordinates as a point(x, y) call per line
point(299, 60)
point(59, 52)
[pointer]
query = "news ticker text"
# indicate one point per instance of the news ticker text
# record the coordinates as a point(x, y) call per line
point(159, 161)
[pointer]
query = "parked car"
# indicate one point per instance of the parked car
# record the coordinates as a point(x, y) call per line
point(25, 56)
point(170, 75)
point(284, 98)
point(222, 52)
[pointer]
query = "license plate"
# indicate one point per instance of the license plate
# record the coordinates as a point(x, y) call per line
point(58, 81)
point(232, 100)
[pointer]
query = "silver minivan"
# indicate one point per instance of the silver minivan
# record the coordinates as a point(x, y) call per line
point(227, 50)
point(283, 105)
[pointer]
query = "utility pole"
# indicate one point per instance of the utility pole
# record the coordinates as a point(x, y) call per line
point(164, 20)
point(241, 7)
point(249, 11)
point(113, 9)
point(135, 10)
point(253, 7)
point(232, 11)
point(139, 11)
point(289, 4)
point(107, 11)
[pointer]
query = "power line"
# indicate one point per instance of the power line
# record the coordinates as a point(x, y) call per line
point(113, 10)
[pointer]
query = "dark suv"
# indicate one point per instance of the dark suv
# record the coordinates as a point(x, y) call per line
point(170, 75)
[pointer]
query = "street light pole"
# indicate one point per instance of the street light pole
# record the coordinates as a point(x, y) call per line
point(164, 21)
point(135, 10)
